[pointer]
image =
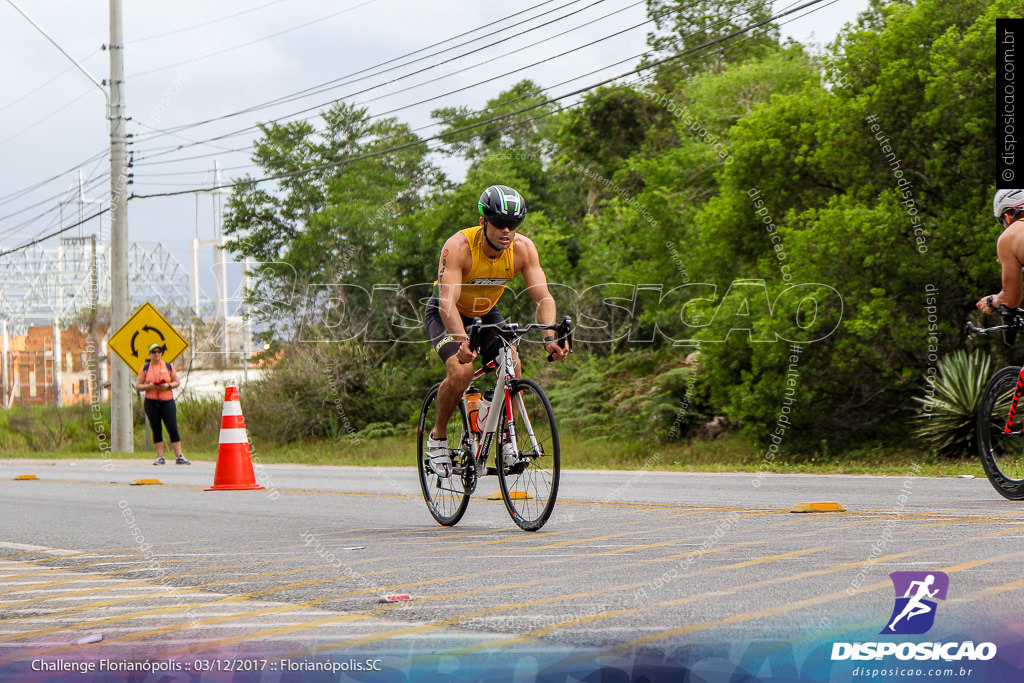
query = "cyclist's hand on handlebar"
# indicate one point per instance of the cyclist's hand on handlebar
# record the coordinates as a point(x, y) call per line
point(556, 352)
point(985, 304)
point(465, 354)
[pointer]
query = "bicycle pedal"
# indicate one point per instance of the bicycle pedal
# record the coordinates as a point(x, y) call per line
point(492, 472)
point(519, 467)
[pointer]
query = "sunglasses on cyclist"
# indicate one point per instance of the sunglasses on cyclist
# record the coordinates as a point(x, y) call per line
point(502, 224)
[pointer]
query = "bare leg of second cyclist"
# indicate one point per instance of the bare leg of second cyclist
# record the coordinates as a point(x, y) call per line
point(448, 397)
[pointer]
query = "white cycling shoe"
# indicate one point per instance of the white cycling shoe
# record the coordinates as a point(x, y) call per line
point(439, 459)
point(509, 455)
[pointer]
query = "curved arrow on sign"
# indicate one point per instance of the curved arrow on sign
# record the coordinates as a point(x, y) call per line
point(145, 328)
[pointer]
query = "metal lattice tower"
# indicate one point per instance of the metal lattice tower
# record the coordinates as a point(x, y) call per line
point(41, 284)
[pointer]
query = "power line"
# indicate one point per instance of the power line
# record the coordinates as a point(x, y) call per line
point(561, 108)
point(54, 234)
point(182, 137)
point(205, 23)
point(432, 125)
point(91, 185)
point(322, 87)
point(251, 42)
point(19, 193)
point(58, 110)
point(21, 98)
point(144, 158)
point(507, 73)
point(501, 117)
point(320, 106)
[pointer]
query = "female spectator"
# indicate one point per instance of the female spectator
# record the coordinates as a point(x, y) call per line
point(157, 379)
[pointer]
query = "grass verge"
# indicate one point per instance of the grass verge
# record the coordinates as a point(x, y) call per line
point(726, 454)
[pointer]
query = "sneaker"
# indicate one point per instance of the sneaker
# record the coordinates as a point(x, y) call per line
point(180, 460)
point(159, 460)
point(440, 460)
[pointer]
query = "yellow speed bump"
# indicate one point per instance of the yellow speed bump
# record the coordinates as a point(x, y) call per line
point(514, 495)
point(144, 482)
point(25, 477)
point(818, 507)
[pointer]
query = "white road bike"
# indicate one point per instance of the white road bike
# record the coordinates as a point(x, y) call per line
point(516, 412)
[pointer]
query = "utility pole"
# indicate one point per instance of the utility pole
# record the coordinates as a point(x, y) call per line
point(220, 252)
point(58, 377)
point(120, 381)
point(4, 379)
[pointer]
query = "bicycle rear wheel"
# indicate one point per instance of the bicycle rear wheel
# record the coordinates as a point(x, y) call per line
point(530, 487)
point(1002, 455)
point(446, 497)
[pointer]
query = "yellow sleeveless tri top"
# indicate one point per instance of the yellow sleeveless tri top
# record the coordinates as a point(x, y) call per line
point(483, 284)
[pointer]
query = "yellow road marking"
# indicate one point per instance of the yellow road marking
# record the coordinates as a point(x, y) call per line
point(288, 607)
point(105, 603)
point(433, 625)
point(264, 592)
point(993, 590)
point(476, 574)
point(444, 623)
point(109, 574)
point(664, 635)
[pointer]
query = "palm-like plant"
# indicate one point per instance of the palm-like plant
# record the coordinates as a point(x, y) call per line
point(947, 421)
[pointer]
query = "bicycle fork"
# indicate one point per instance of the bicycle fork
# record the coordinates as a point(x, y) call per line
point(524, 416)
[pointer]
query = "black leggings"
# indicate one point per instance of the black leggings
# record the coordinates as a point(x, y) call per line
point(157, 411)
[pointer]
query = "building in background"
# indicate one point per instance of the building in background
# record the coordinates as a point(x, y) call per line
point(67, 289)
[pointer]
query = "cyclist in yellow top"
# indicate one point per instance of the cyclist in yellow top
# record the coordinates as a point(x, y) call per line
point(475, 266)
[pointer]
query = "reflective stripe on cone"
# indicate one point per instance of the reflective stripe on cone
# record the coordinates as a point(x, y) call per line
point(234, 460)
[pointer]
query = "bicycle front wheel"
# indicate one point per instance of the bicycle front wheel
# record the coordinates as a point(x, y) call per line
point(1002, 454)
point(446, 497)
point(530, 486)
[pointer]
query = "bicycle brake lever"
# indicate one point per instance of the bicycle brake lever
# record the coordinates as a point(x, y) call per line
point(564, 335)
point(474, 334)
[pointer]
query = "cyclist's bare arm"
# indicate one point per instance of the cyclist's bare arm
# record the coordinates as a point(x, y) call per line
point(1010, 249)
point(456, 259)
point(537, 285)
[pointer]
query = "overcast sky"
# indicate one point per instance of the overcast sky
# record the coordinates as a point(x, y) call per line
point(190, 61)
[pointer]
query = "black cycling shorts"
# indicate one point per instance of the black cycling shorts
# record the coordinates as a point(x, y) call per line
point(446, 346)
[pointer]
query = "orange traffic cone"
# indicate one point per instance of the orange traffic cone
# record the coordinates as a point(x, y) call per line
point(234, 461)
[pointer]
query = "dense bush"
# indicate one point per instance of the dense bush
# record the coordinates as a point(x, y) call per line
point(655, 395)
point(328, 390)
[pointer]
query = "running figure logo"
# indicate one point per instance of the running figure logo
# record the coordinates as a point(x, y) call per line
point(914, 613)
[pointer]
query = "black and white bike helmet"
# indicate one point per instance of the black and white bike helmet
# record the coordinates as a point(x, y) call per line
point(1007, 200)
point(502, 206)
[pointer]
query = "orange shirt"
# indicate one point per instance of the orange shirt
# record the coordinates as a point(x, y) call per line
point(157, 374)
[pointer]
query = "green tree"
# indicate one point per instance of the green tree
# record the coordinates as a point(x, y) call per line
point(515, 151)
point(681, 25)
point(332, 226)
point(881, 209)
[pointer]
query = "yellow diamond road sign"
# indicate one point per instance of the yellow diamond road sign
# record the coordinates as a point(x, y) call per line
point(147, 326)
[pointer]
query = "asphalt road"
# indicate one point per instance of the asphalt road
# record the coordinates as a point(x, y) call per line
point(629, 562)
